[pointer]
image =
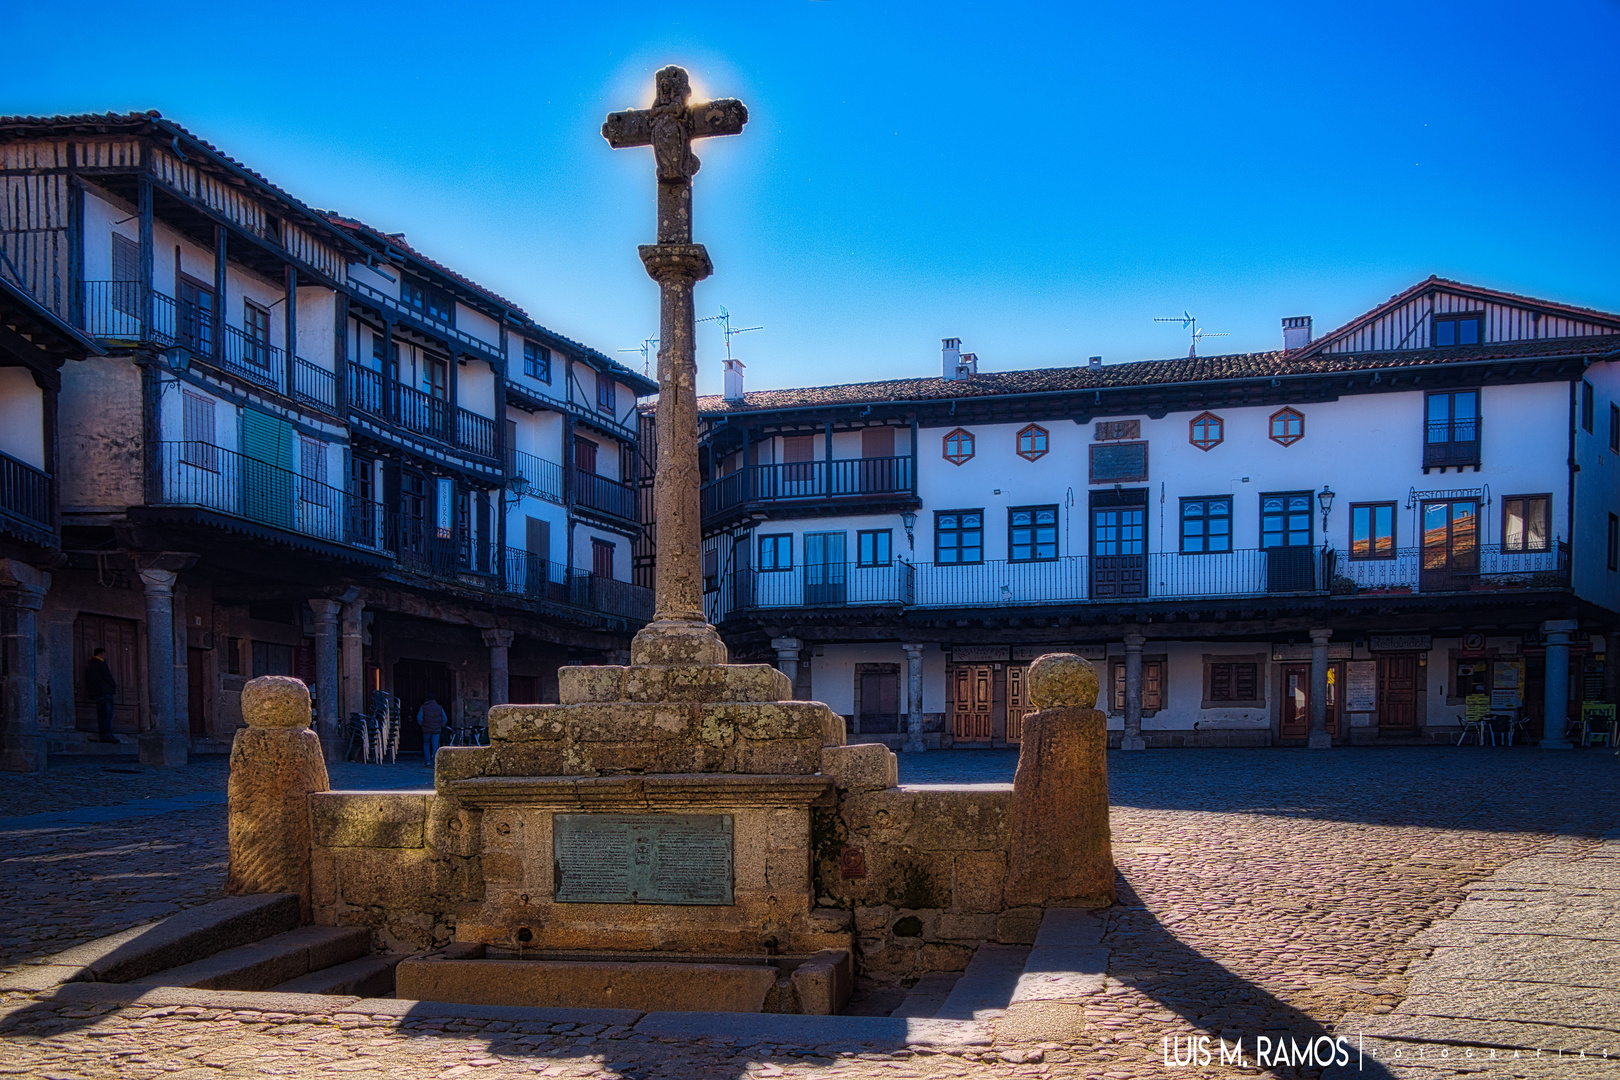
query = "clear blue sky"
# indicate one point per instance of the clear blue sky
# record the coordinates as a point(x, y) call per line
point(1039, 180)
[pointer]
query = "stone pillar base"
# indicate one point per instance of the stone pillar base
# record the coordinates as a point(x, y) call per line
point(1133, 742)
point(166, 750)
point(22, 753)
point(1556, 744)
point(677, 643)
point(1321, 740)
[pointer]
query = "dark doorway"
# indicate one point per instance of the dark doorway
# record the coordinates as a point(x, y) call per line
point(523, 689)
point(879, 709)
point(414, 682)
point(825, 572)
point(196, 699)
point(1397, 692)
point(1450, 545)
point(117, 636)
point(1294, 721)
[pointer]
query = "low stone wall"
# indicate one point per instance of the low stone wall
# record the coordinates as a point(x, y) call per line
point(922, 869)
point(400, 862)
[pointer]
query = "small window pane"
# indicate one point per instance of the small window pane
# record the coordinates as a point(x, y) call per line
point(1468, 331)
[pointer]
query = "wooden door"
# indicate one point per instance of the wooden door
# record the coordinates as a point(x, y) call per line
point(974, 686)
point(1118, 551)
point(602, 558)
point(1450, 557)
point(880, 702)
point(1018, 704)
point(1397, 691)
point(537, 542)
point(1295, 720)
point(196, 329)
point(825, 571)
point(118, 637)
point(196, 698)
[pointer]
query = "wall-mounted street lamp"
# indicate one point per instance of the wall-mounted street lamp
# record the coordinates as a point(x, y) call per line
point(909, 520)
point(1324, 499)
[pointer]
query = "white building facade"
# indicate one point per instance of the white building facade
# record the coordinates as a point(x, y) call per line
point(1366, 530)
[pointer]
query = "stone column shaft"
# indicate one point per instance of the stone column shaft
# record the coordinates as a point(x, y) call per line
point(787, 658)
point(22, 745)
point(1133, 739)
point(328, 677)
point(1319, 738)
point(162, 744)
point(499, 641)
point(1556, 707)
point(914, 693)
point(182, 679)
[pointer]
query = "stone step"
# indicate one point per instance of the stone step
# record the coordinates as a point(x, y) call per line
point(369, 976)
point(170, 942)
point(1067, 965)
point(270, 962)
point(986, 988)
point(928, 996)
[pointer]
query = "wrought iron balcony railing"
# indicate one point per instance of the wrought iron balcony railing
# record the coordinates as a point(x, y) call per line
point(420, 413)
point(851, 478)
point(435, 327)
point(604, 495)
point(531, 475)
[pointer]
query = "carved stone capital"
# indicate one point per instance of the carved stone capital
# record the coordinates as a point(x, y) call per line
point(676, 263)
point(498, 639)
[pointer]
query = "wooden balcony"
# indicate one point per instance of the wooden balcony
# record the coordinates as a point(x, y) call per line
point(844, 484)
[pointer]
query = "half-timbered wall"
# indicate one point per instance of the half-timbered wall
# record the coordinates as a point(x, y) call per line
point(34, 221)
point(1408, 326)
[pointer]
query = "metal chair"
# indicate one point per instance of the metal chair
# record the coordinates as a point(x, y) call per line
point(1597, 723)
point(1480, 727)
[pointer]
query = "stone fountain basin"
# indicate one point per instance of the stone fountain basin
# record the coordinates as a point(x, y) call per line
point(814, 984)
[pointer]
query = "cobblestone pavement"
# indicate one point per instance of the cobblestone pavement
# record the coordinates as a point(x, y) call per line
point(1264, 893)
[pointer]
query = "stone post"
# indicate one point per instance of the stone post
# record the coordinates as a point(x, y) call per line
point(1060, 849)
point(161, 744)
point(1320, 739)
point(787, 658)
point(1556, 710)
point(353, 662)
point(328, 681)
point(182, 681)
point(58, 657)
point(499, 677)
point(22, 593)
point(914, 695)
point(1132, 739)
point(275, 763)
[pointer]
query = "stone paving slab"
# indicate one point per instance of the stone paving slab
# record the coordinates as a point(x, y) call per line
point(404, 1008)
point(185, 996)
point(1527, 1003)
point(875, 1031)
point(986, 988)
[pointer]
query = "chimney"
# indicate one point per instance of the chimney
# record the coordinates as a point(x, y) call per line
point(1296, 332)
point(967, 367)
point(1095, 363)
point(951, 348)
point(734, 380)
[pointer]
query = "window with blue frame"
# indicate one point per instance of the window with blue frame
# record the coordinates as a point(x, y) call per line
point(872, 547)
point(537, 361)
point(1206, 524)
point(427, 301)
point(604, 392)
point(1032, 534)
point(959, 536)
point(776, 552)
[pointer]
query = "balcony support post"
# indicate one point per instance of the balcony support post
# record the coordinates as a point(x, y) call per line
point(292, 330)
point(1320, 738)
point(22, 594)
point(914, 693)
point(217, 339)
point(499, 641)
point(328, 691)
point(353, 675)
point(161, 744)
point(143, 207)
point(1556, 707)
point(390, 401)
point(1132, 739)
point(787, 659)
point(340, 352)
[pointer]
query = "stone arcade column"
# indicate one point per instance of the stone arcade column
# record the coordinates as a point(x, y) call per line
point(328, 681)
point(182, 680)
point(499, 677)
point(1132, 739)
point(353, 668)
point(914, 695)
point(678, 633)
point(162, 744)
point(22, 593)
point(787, 657)
point(1556, 709)
point(1320, 739)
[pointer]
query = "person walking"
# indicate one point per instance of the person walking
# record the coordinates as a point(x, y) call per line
point(430, 717)
point(103, 690)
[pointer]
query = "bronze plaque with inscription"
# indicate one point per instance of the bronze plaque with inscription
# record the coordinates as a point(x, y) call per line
point(642, 858)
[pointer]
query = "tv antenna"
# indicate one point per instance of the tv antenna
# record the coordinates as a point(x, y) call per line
point(1189, 322)
point(724, 319)
point(646, 350)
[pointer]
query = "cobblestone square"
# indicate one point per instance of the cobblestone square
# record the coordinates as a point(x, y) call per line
point(1270, 893)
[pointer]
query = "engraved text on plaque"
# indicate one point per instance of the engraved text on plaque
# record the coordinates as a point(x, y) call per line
point(642, 858)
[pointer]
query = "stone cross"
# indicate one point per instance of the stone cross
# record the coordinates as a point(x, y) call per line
point(678, 633)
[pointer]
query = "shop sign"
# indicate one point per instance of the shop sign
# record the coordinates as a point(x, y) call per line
point(979, 654)
point(1400, 642)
